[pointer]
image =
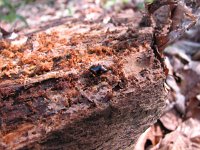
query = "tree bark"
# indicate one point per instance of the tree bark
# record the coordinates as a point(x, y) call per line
point(81, 85)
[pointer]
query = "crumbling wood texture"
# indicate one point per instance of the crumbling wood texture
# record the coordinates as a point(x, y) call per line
point(80, 85)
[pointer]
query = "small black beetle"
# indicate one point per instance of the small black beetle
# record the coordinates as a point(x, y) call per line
point(98, 69)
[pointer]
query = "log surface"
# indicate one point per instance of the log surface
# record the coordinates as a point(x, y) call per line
point(80, 85)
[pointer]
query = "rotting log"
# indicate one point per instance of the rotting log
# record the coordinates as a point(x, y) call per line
point(80, 85)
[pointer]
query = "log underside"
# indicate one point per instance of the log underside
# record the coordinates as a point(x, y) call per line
point(54, 93)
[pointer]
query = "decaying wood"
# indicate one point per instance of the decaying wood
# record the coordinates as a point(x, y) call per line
point(80, 85)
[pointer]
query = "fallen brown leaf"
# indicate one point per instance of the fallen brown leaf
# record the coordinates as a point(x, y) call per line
point(185, 137)
point(171, 120)
point(193, 108)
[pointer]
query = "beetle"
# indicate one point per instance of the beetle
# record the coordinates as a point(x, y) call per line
point(98, 69)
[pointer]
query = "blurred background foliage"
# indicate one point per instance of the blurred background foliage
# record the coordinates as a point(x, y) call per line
point(9, 8)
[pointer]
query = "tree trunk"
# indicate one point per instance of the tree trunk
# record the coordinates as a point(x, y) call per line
point(81, 85)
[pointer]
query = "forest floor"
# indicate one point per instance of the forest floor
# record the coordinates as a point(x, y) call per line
point(179, 127)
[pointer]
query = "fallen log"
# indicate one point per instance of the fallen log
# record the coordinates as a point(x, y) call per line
point(80, 85)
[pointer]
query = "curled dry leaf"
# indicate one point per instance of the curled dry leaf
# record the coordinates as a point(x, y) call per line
point(190, 82)
point(193, 109)
point(171, 120)
point(150, 138)
point(179, 97)
point(190, 128)
point(180, 55)
point(190, 48)
point(175, 141)
point(172, 18)
point(182, 19)
point(185, 137)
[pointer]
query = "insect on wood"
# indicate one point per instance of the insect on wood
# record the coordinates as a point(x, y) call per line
point(98, 69)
